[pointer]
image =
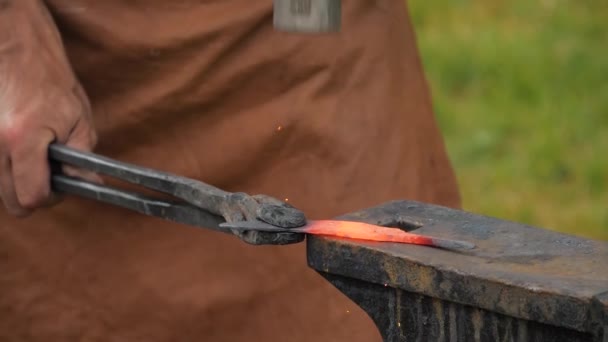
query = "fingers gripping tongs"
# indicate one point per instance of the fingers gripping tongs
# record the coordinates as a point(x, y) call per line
point(197, 204)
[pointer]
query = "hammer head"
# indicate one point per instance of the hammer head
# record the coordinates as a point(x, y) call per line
point(307, 16)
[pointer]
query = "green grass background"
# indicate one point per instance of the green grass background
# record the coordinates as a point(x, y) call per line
point(520, 90)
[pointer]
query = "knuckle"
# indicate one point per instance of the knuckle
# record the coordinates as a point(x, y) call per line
point(12, 131)
point(77, 106)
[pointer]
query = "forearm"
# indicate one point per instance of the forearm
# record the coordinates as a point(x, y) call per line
point(9, 11)
point(31, 50)
point(28, 32)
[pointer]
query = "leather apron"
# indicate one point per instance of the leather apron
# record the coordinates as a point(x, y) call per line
point(208, 90)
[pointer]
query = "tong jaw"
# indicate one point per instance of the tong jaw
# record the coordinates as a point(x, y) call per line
point(240, 207)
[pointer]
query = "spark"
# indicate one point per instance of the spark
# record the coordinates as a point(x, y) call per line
point(287, 200)
point(399, 324)
point(280, 128)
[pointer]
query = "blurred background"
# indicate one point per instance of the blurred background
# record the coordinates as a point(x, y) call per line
point(520, 90)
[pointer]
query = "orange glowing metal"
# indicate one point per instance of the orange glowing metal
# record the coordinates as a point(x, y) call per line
point(364, 231)
point(370, 232)
point(356, 231)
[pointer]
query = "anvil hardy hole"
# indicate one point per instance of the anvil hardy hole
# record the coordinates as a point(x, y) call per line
point(405, 223)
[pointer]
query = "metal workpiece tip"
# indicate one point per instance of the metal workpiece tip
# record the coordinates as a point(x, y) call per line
point(308, 16)
point(452, 244)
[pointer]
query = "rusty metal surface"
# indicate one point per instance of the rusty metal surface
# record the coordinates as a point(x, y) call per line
point(516, 271)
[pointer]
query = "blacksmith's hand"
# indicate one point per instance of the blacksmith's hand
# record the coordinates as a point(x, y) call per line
point(41, 101)
point(242, 207)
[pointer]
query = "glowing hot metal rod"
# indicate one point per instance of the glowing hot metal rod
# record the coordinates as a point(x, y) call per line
point(357, 231)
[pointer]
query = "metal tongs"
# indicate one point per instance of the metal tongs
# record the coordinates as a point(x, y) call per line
point(257, 220)
point(197, 204)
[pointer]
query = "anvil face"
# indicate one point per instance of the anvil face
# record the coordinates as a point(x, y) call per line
point(521, 283)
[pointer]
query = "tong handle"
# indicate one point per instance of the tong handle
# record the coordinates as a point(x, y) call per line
point(196, 193)
point(201, 205)
point(176, 212)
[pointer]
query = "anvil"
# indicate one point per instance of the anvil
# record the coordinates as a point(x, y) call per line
point(521, 283)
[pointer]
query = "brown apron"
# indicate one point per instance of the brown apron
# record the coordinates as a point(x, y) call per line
point(208, 90)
